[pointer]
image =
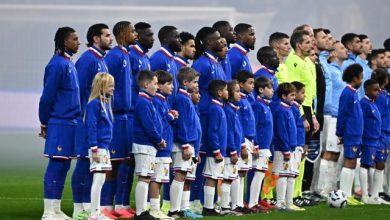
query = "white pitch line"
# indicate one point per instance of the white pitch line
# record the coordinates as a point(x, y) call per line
point(28, 199)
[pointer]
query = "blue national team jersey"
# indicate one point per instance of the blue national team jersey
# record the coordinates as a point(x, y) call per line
point(186, 125)
point(163, 59)
point(98, 123)
point(216, 140)
point(88, 65)
point(264, 123)
point(60, 100)
point(372, 122)
point(239, 59)
point(234, 133)
point(147, 127)
point(227, 67)
point(247, 117)
point(209, 69)
point(350, 118)
point(299, 123)
point(285, 130)
point(139, 60)
point(181, 62)
point(118, 63)
point(383, 104)
point(269, 73)
point(167, 119)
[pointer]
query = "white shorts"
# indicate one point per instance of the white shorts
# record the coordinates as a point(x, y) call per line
point(261, 163)
point(296, 158)
point(328, 135)
point(244, 165)
point(104, 163)
point(145, 159)
point(192, 174)
point(230, 171)
point(178, 163)
point(213, 169)
point(161, 170)
point(281, 167)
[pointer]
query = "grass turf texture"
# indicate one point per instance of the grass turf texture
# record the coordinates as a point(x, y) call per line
point(21, 198)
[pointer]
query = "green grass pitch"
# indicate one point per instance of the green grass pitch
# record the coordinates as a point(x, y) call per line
point(21, 198)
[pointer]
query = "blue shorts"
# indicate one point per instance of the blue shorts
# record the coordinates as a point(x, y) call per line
point(119, 143)
point(384, 142)
point(81, 140)
point(351, 152)
point(368, 156)
point(60, 141)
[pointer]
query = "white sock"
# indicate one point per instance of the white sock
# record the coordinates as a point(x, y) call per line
point(281, 187)
point(141, 195)
point(255, 188)
point(185, 200)
point(378, 181)
point(126, 207)
point(209, 193)
point(225, 197)
point(346, 180)
point(234, 192)
point(154, 204)
point(356, 181)
point(87, 206)
point(108, 207)
point(57, 205)
point(240, 198)
point(97, 184)
point(117, 207)
point(323, 177)
point(331, 182)
point(77, 208)
point(371, 172)
point(363, 176)
point(290, 190)
point(175, 194)
point(48, 205)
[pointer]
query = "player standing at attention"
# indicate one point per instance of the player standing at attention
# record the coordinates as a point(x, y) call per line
point(280, 43)
point(118, 64)
point(139, 60)
point(238, 54)
point(98, 125)
point(285, 140)
point(353, 44)
point(88, 65)
point(163, 59)
point(187, 50)
point(147, 139)
point(216, 143)
point(372, 156)
point(59, 108)
point(349, 128)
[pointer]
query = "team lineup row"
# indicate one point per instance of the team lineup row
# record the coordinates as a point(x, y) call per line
point(186, 128)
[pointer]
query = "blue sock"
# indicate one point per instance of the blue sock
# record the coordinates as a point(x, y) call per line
point(249, 179)
point(128, 186)
point(167, 186)
point(78, 179)
point(121, 183)
point(107, 193)
point(55, 177)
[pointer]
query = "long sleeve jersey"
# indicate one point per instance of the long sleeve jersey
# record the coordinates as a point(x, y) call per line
point(247, 117)
point(234, 131)
point(350, 117)
point(299, 123)
point(383, 104)
point(285, 130)
point(118, 64)
point(372, 122)
point(238, 56)
point(98, 123)
point(263, 123)
point(60, 100)
point(147, 127)
point(216, 136)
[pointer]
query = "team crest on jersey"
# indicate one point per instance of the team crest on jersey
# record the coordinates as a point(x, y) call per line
point(59, 148)
point(354, 149)
point(113, 151)
point(124, 63)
